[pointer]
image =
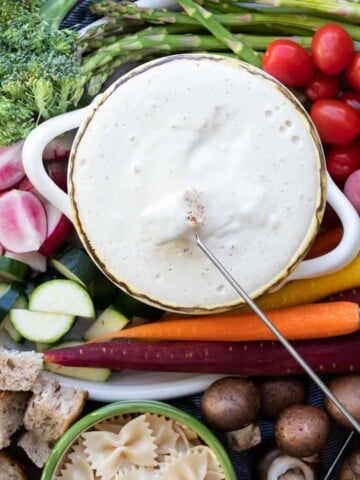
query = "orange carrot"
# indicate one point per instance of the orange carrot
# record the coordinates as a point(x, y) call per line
point(296, 323)
point(325, 242)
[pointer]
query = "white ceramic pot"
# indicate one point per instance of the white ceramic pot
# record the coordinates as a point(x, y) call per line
point(206, 127)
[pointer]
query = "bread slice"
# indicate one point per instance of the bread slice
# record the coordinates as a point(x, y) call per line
point(36, 448)
point(12, 409)
point(19, 370)
point(53, 408)
point(9, 469)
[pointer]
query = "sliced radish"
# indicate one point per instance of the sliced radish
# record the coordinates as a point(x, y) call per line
point(27, 186)
point(1, 249)
point(35, 260)
point(58, 230)
point(57, 171)
point(59, 147)
point(23, 223)
point(11, 168)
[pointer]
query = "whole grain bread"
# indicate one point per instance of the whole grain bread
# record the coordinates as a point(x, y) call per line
point(12, 409)
point(53, 408)
point(9, 469)
point(19, 370)
point(36, 448)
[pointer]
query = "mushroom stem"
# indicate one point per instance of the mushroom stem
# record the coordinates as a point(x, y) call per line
point(244, 438)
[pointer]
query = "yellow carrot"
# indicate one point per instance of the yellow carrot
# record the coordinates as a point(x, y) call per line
point(311, 290)
point(296, 323)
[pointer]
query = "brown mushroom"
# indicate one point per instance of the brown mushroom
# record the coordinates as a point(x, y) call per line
point(346, 389)
point(350, 468)
point(231, 403)
point(278, 393)
point(302, 430)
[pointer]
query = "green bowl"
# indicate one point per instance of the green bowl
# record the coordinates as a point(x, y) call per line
point(134, 407)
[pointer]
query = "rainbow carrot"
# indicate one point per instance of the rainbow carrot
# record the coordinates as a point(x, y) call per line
point(296, 323)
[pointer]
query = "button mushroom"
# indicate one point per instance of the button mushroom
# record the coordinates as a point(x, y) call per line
point(232, 405)
point(278, 393)
point(346, 389)
point(302, 430)
point(276, 465)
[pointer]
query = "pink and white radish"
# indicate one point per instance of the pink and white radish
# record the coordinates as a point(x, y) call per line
point(352, 189)
point(35, 260)
point(57, 171)
point(60, 147)
point(23, 223)
point(11, 168)
point(58, 230)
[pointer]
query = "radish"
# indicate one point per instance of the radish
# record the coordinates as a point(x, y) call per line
point(57, 171)
point(352, 189)
point(331, 355)
point(58, 229)
point(59, 147)
point(11, 168)
point(35, 260)
point(23, 223)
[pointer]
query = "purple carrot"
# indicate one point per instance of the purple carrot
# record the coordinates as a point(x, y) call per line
point(332, 355)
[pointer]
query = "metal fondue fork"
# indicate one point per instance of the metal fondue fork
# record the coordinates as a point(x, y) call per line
point(277, 333)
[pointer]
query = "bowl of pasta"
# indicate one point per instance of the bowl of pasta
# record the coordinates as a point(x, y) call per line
point(138, 440)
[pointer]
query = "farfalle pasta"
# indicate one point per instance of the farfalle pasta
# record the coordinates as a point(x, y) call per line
point(139, 447)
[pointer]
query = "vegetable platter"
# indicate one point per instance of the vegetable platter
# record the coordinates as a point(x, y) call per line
point(43, 252)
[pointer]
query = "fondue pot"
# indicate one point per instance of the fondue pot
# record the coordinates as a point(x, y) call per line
point(195, 143)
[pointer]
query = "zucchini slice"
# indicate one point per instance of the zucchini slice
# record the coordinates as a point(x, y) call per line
point(13, 270)
point(21, 302)
point(83, 373)
point(75, 264)
point(9, 293)
point(132, 307)
point(62, 296)
point(110, 320)
point(102, 291)
point(43, 327)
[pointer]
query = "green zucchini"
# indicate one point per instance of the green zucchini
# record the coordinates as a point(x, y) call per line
point(131, 307)
point(110, 320)
point(75, 264)
point(13, 270)
point(9, 293)
point(83, 373)
point(102, 291)
point(21, 302)
point(43, 327)
point(62, 296)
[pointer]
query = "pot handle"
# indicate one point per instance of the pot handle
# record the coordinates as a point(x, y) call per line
point(32, 156)
point(349, 245)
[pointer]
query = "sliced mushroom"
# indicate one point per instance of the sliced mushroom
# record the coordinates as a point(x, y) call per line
point(276, 465)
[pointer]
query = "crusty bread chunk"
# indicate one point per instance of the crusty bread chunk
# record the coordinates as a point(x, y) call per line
point(36, 448)
point(52, 409)
point(9, 469)
point(12, 409)
point(19, 370)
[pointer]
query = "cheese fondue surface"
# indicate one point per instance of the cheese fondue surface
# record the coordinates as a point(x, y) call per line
point(196, 144)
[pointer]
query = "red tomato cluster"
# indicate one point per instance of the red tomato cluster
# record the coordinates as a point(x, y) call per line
point(330, 77)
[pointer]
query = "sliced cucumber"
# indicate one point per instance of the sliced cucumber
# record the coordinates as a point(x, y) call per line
point(131, 307)
point(75, 264)
point(84, 373)
point(9, 293)
point(13, 270)
point(21, 302)
point(110, 320)
point(62, 296)
point(43, 327)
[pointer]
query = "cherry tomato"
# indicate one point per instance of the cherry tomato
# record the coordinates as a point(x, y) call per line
point(342, 161)
point(352, 73)
point(289, 63)
point(323, 86)
point(337, 123)
point(332, 49)
point(352, 98)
